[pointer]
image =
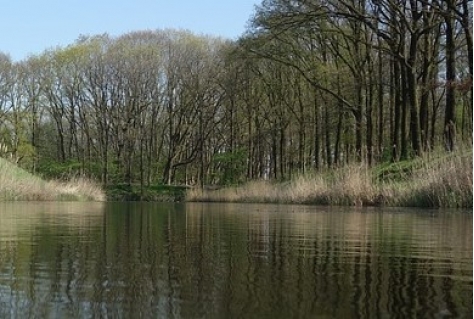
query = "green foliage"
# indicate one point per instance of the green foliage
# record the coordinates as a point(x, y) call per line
point(397, 171)
point(27, 153)
point(163, 105)
point(158, 192)
point(22, 154)
point(53, 169)
point(231, 166)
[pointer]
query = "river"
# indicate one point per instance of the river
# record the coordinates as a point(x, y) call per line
point(157, 260)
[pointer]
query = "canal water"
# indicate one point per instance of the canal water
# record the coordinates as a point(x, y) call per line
point(155, 260)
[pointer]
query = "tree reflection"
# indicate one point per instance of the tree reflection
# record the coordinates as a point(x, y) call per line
point(197, 260)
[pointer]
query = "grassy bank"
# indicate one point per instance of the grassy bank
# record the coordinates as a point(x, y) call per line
point(444, 181)
point(157, 193)
point(18, 184)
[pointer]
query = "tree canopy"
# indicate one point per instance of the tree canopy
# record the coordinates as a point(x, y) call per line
point(312, 84)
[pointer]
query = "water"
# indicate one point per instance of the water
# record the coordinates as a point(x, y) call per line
point(151, 260)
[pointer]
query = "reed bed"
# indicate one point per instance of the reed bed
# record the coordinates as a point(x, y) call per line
point(17, 184)
point(444, 182)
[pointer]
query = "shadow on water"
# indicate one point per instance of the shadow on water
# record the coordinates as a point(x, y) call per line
point(132, 260)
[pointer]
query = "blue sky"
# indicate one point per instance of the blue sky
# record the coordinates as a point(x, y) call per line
point(31, 26)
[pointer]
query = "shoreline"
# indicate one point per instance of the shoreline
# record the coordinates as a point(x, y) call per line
point(16, 184)
point(443, 183)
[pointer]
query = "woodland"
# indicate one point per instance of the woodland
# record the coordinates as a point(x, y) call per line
point(311, 85)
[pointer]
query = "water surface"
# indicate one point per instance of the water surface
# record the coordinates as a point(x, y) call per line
point(153, 260)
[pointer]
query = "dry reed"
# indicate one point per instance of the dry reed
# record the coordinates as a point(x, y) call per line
point(17, 184)
point(442, 183)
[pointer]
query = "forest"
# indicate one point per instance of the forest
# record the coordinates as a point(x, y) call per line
point(311, 85)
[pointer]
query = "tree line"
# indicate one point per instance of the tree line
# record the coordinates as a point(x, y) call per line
point(310, 85)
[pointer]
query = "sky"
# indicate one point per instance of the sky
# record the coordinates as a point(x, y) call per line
point(32, 26)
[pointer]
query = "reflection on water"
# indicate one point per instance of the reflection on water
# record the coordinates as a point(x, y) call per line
point(132, 260)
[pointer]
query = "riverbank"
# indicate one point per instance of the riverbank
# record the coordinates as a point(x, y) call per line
point(16, 184)
point(151, 193)
point(444, 181)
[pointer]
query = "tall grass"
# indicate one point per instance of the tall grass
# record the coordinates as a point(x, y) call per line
point(443, 182)
point(18, 184)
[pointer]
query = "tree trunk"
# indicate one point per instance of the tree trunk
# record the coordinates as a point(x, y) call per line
point(450, 108)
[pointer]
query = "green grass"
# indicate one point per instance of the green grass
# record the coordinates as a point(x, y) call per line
point(18, 184)
point(158, 192)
